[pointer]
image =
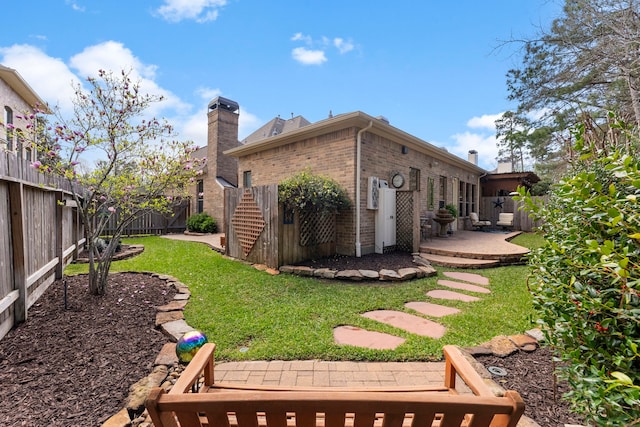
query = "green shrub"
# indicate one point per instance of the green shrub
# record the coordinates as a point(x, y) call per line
point(305, 191)
point(202, 223)
point(452, 210)
point(585, 279)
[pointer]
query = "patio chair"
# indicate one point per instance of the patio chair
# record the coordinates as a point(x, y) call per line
point(478, 224)
point(505, 220)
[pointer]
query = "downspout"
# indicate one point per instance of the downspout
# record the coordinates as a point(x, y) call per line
point(358, 173)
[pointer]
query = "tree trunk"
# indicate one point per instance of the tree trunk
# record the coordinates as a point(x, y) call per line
point(634, 91)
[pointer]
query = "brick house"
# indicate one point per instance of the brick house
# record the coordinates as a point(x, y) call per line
point(16, 99)
point(351, 148)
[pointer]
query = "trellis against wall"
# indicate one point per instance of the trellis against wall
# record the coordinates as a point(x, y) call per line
point(405, 230)
point(317, 228)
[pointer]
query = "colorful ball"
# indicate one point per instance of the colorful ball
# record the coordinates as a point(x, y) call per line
point(189, 344)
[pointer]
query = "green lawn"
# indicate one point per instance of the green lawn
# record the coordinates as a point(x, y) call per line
point(290, 317)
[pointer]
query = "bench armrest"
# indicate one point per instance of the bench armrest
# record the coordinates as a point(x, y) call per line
point(457, 364)
point(201, 364)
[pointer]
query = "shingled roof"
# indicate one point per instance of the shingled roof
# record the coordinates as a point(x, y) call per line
point(276, 126)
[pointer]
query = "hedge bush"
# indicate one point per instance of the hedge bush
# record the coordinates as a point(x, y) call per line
point(202, 223)
point(585, 280)
point(306, 191)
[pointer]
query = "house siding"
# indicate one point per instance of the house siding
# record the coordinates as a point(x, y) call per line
point(9, 98)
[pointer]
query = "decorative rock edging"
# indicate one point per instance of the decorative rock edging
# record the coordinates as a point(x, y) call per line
point(424, 269)
point(128, 251)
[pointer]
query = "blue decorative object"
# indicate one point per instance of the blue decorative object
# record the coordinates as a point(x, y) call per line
point(189, 344)
point(498, 203)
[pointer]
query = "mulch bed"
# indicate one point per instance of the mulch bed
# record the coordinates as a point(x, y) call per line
point(74, 366)
point(375, 262)
point(531, 375)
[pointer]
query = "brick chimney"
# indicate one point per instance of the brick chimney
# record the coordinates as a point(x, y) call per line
point(223, 135)
point(473, 157)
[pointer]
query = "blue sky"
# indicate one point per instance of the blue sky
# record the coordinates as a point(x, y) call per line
point(434, 72)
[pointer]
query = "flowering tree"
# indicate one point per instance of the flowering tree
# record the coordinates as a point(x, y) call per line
point(138, 167)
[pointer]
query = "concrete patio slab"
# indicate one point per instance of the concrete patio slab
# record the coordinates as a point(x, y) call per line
point(450, 295)
point(429, 309)
point(352, 335)
point(468, 277)
point(464, 286)
point(408, 322)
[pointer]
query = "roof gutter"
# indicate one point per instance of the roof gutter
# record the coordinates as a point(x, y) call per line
point(358, 173)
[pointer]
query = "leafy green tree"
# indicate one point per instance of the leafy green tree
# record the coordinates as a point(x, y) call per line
point(586, 278)
point(512, 133)
point(139, 167)
point(586, 63)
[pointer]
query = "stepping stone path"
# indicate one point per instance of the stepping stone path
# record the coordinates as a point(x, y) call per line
point(468, 277)
point(408, 322)
point(352, 335)
point(464, 286)
point(429, 309)
point(450, 295)
point(418, 325)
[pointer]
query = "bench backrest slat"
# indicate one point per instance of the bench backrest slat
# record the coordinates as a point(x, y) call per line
point(332, 406)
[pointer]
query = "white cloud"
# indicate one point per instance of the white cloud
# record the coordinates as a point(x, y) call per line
point(317, 56)
point(114, 56)
point(207, 94)
point(486, 121)
point(301, 37)
point(308, 57)
point(247, 124)
point(342, 45)
point(49, 77)
point(198, 10)
point(484, 144)
point(75, 6)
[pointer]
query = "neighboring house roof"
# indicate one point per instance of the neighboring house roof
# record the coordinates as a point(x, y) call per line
point(525, 177)
point(275, 127)
point(356, 119)
point(22, 88)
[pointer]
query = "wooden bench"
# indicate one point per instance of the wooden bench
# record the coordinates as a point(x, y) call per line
point(195, 400)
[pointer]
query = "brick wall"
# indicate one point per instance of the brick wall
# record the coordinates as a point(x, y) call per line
point(334, 155)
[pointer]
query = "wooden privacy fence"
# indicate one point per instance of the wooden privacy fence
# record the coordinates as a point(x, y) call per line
point(491, 207)
point(153, 222)
point(39, 236)
point(258, 230)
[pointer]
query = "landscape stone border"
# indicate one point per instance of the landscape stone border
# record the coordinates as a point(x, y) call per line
point(128, 251)
point(167, 369)
point(423, 269)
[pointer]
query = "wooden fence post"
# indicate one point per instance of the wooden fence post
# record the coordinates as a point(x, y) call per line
point(16, 202)
point(59, 235)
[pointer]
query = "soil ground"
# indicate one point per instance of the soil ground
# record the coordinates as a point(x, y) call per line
point(73, 366)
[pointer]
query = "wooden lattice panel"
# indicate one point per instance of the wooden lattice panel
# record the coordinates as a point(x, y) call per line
point(316, 228)
point(404, 220)
point(248, 222)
